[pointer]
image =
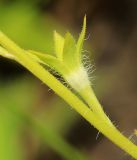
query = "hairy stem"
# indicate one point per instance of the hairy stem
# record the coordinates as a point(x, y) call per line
point(111, 132)
point(90, 98)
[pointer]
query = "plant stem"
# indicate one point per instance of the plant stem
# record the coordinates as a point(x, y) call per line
point(111, 132)
point(88, 95)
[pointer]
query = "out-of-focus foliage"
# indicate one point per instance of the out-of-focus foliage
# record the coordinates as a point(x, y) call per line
point(13, 95)
point(24, 23)
point(21, 95)
point(10, 148)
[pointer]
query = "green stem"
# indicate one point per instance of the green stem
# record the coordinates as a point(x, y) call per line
point(111, 132)
point(88, 95)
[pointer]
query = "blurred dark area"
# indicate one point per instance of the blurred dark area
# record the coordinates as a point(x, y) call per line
point(112, 46)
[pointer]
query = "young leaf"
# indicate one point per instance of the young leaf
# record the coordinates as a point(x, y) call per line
point(80, 41)
point(69, 50)
point(59, 44)
point(48, 60)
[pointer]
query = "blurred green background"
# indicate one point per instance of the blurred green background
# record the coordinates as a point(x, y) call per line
point(35, 124)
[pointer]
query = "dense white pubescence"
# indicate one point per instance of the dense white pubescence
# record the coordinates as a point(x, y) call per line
point(89, 66)
point(82, 77)
point(78, 79)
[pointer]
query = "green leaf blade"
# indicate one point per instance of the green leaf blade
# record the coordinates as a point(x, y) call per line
point(80, 41)
point(69, 50)
point(59, 44)
point(49, 61)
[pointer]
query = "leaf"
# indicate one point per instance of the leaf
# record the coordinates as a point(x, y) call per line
point(59, 44)
point(80, 41)
point(48, 60)
point(69, 50)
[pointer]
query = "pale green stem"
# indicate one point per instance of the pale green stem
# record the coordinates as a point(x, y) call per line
point(90, 98)
point(79, 81)
point(111, 132)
